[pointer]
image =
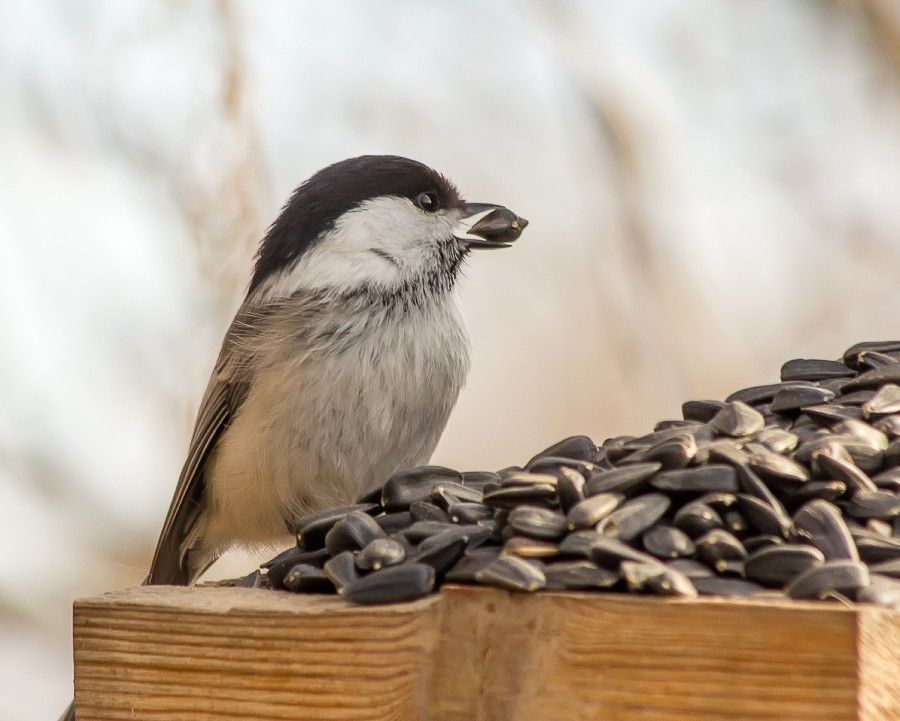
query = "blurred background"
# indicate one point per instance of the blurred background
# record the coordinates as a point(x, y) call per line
point(712, 188)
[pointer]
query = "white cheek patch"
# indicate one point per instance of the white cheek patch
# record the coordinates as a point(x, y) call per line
point(384, 241)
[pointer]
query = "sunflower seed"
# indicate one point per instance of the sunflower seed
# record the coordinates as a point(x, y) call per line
point(610, 552)
point(513, 573)
point(589, 512)
point(702, 411)
point(776, 565)
point(833, 460)
point(621, 480)
point(888, 568)
point(777, 439)
point(803, 369)
point(440, 552)
point(873, 504)
point(579, 448)
point(277, 568)
point(773, 466)
point(728, 587)
point(406, 487)
point(672, 453)
point(465, 512)
point(380, 553)
point(634, 517)
point(569, 488)
point(690, 568)
point(341, 570)
point(842, 576)
point(826, 490)
point(762, 394)
point(468, 565)
point(425, 511)
point(890, 425)
point(511, 496)
point(392, 585)
point(851, 355)
point(875, 378)
point(717, 547)
point(697, 518)
point(738, 419)
point(540, 523)
point(551, 464)
point(658, 579)
point(353, 532)
point(667, 542)
point(794, 399)
point(712, 478)
point(754, 543)
point(394, 522)
point(821, 522)
point(579, 576)
point(884, 402)
point(578, 543)
point(311, 528)
point(525, 547)
point(874, 549)
point(767, 519)
point(308, 579)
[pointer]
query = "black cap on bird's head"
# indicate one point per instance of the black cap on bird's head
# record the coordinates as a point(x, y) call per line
point(382, 206)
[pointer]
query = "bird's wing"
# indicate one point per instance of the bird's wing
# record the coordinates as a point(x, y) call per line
point(224, 394)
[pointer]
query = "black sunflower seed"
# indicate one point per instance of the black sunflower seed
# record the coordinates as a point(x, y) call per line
point(635, 516)
point(513, 573)
point(657, 579)
point(884, 402)
point(304, 578)
point(579, 576)
point(738, 419)
point(794, 399)
point(805, 369)
point(873, 504)
point(406, 487)
point(380, 553)
point(535, 522)
point(579, 448)
point(840, 576)
point(702, 411)
point(593, 509)
point(776, 565)
point(353, 532)
point(728, 587)
point(713, 478)
point(624, 480)
point(665, 541)
point(821, 522)
point(311, 528)
point(392, 585)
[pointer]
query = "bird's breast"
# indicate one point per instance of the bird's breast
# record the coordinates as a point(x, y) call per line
point(324, 421)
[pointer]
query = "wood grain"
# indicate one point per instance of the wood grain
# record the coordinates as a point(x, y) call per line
point(470, 654)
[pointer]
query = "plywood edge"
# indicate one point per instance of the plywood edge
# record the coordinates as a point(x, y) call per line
point(219, 599)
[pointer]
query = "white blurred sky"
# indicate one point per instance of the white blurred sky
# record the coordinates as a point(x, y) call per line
point(712, 188)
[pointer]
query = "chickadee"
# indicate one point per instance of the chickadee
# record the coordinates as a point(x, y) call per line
point(342, 364)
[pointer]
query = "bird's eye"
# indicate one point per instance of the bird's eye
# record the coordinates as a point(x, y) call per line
point(427, 201)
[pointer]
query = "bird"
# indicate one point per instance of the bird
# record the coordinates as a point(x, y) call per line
point(342, 364)
point(340, 367)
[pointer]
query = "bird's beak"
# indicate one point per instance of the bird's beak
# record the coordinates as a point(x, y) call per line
point(486, 225)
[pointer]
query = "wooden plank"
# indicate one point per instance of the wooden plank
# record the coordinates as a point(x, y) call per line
point(161, 654)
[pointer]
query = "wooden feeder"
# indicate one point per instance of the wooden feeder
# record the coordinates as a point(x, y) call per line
point(473, 654)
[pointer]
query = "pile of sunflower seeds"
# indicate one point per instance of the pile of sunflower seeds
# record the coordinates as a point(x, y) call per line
point(784, 490)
